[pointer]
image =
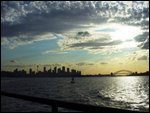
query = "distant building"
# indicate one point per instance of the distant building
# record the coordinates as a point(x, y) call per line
point(79, 73)
point(37, 68)
point(44, 69)
point(59, 70)
point(16, 70)
point(55, 70)
point(23, 72)
point(30, 71)
point(68, 70)
point(49, 71)
point(63, 68)
point(73, 72)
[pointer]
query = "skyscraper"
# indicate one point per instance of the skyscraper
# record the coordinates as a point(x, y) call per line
point(63, 68)
point(30, 71)
point(55, 70)
point(68, 70)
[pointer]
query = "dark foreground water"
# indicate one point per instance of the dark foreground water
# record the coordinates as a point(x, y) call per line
point(119, 92)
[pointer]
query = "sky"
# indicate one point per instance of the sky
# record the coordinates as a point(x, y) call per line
point(91, 36)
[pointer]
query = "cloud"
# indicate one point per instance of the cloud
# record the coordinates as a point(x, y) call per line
point(84, 64)
point(41, 17)
point(144, 45)
point(134, 13)
point(13, 61)
point(13, 42)
point(56, 65)
point(142, 58)
point(48, 65)
point(19, 66)
point(30, 19)
point(86, 33)
point(143, 40)
point(103, 63)
point(142, 37)
point(141, 54)
point(33, 65)
point(16, 12)
point(54, 51)
point(95, 43)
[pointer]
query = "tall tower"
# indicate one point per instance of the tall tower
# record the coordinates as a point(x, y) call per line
point(37, 68)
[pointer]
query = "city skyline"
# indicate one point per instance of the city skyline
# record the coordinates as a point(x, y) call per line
point(55, 72)
point(65, 72)
point(93, 37)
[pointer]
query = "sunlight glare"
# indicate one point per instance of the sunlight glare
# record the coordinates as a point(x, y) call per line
point(118, 31)
point(124, 32)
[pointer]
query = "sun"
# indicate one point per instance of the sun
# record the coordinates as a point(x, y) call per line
point(118, 31)
point(121, 32)
point(124, 32)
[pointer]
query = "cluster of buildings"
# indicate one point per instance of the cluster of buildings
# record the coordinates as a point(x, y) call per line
point(56, 72)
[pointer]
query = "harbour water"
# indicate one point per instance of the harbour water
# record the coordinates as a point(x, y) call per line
point(130, 93)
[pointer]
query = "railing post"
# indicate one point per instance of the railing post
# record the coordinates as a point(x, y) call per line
point(54, 108)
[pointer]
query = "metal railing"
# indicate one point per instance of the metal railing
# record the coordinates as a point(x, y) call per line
point(69, 105)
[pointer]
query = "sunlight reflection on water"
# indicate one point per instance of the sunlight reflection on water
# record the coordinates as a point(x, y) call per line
point(118, 92)
point(128, 91)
